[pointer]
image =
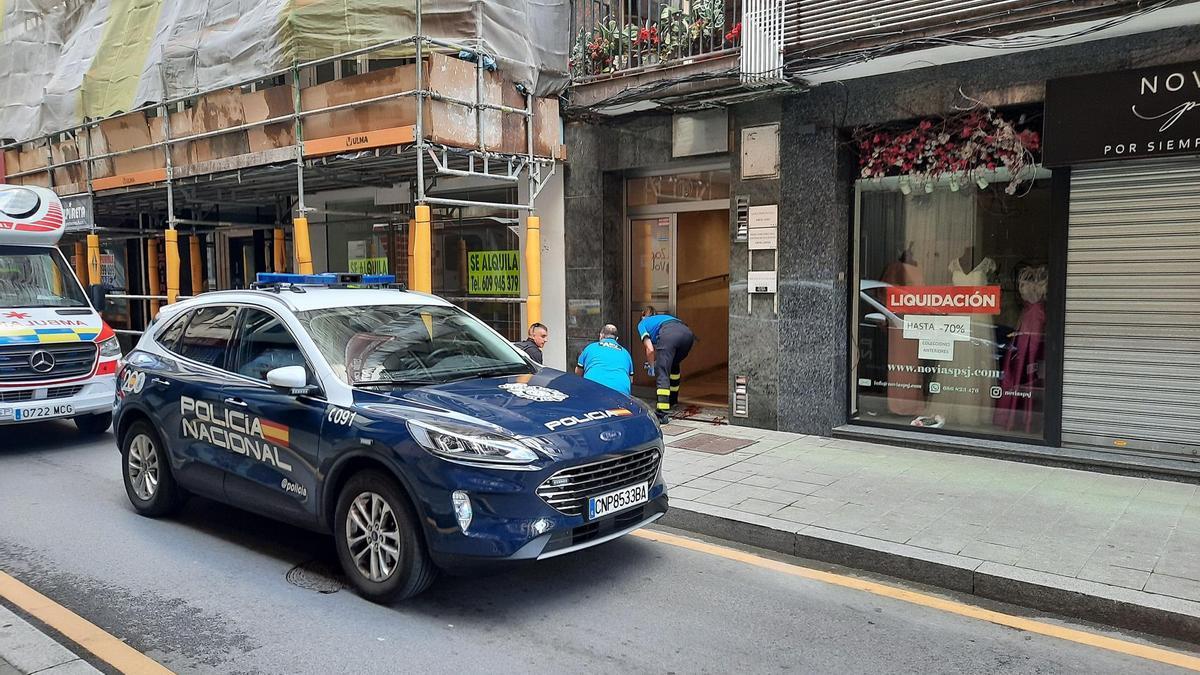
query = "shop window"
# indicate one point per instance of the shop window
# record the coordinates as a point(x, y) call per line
point(477, 260)
point(949, 305)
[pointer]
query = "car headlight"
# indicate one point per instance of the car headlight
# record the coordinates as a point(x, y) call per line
point(471, 444)
point(110, 348)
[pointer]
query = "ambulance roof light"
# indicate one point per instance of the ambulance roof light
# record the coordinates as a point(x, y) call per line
point(30, 215)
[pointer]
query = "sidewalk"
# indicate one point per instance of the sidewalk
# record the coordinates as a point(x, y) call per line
point(25, 649)
point(1118, 550)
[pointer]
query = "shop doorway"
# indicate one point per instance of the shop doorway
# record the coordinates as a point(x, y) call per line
point(680, 265)
point(245, 254)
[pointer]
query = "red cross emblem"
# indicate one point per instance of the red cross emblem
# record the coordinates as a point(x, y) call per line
point(16, 315)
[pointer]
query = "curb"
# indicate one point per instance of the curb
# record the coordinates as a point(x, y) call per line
point(1130, 609)
point(25, 649)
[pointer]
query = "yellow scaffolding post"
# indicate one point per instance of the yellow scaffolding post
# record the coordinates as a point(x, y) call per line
point(152, 273)
point(412, 242)
point(300, 242)
point(93, 259)
point(279, 249)
point(423, 252)
point(172, 266)
point(81, 270)
point(195, 263)
point(533, 266)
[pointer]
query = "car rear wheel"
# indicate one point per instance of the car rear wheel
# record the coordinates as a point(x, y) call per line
point(378, 541)
point(93, 425)
point(147, 472)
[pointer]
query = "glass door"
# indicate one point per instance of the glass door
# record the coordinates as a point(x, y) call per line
point(653, 278)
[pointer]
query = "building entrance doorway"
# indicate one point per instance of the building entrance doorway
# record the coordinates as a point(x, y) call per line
point(679, 263)
point(242, 254)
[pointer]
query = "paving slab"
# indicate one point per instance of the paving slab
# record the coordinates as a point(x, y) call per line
point(1117, 549)
point(25, 649)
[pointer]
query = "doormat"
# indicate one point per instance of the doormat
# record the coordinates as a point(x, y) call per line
point(711, 443)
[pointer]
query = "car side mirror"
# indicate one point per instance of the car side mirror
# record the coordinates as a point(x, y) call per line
point(98, 294)
point(290, 380)
point(876, 318)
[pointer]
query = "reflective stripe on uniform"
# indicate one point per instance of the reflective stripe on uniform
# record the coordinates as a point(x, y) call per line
point(676, 376)
point(664, 392)
point(674, 389)
point(664, 406)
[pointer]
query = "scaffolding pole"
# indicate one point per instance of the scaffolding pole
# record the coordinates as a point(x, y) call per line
point(300, 241)
point(171, 238)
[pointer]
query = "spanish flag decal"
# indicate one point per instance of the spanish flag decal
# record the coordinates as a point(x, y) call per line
point(620, 412)
point(275, 433)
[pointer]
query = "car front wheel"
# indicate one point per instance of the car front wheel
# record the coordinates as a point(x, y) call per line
point(378, 543)
point(147, 472)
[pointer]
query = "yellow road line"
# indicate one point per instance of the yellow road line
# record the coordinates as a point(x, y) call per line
point(79, 630)
point(1051, 630)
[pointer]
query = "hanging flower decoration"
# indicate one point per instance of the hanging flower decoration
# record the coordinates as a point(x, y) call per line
point(971, 144)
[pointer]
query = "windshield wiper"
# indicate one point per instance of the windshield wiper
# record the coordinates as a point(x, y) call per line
point(392, 383)
point(515, 369)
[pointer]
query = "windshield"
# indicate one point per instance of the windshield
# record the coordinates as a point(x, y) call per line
point(37, 277)
point(409, 345)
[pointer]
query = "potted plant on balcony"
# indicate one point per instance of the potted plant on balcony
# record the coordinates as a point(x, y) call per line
point(677, 33)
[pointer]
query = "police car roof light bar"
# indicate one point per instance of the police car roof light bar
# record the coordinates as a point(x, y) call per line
point(329, 279)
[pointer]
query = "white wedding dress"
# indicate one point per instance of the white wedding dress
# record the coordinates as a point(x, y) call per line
point(971, 410)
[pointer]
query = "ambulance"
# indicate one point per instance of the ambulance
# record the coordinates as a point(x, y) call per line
point(58, 358)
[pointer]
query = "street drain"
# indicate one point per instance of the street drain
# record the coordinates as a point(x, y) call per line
point(315, 575)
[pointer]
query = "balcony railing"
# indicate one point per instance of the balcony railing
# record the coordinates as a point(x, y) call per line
point(623, 37)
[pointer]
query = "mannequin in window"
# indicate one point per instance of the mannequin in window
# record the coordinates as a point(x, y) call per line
point(1022, 373)
point(904, 401)
point(977, 356)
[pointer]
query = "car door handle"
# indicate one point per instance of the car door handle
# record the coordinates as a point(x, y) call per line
point(235, 401)
point(159, 380)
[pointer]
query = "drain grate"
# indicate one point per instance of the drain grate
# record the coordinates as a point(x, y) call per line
point(316, 575)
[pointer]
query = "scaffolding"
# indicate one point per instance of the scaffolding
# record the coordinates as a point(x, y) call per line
point(383, 158)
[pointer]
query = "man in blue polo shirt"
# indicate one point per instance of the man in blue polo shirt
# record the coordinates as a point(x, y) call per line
point(607, 362)
point(667, 341)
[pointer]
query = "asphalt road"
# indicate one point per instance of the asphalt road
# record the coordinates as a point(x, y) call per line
point(209, 592)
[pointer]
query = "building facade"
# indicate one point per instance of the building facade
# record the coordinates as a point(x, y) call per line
point(972, 248)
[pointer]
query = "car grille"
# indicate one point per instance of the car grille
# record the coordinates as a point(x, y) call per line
point(70, 360)
point(566, 490)
point(28, 394)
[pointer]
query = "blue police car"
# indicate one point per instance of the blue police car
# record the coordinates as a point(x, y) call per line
point(411, 431)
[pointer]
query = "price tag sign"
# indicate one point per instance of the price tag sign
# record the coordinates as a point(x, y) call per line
point(933, 327)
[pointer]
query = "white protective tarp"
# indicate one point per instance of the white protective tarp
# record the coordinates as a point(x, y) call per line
point(62, 61)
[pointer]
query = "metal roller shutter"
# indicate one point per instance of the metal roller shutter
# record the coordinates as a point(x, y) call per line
point(1132, 352)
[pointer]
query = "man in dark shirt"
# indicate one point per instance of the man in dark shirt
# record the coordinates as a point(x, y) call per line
point(538, 334)
point(667, 341)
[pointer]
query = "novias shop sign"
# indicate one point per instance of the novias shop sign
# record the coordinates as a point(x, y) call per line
point(1148, 112)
